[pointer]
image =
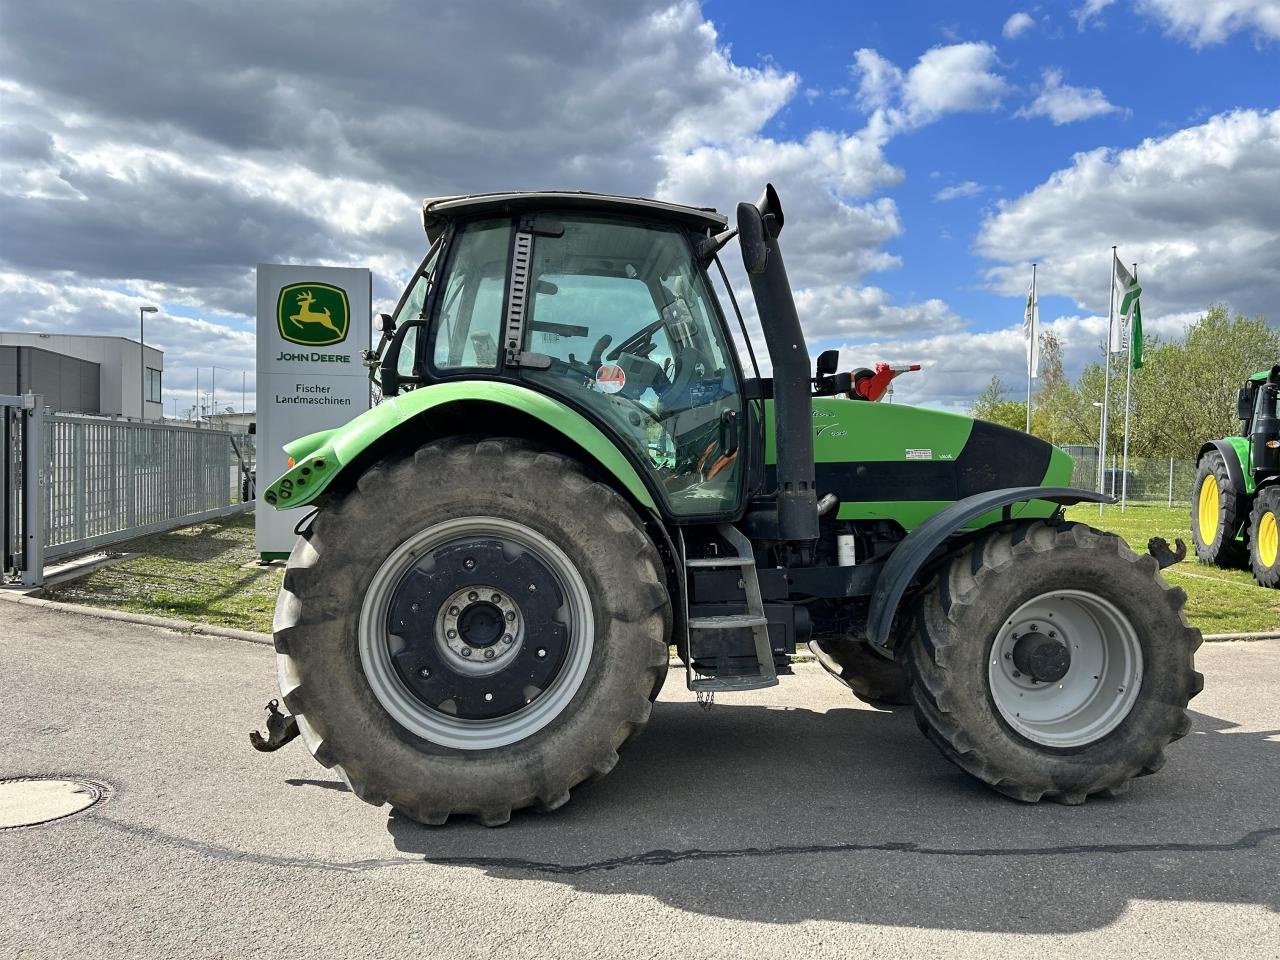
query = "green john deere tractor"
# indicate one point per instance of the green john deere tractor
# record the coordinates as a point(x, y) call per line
point(1236, 502)
point(572, 472)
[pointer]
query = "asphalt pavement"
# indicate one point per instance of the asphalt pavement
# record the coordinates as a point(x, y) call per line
point(794, 822)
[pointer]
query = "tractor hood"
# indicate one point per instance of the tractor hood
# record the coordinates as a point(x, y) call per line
point(903, 463)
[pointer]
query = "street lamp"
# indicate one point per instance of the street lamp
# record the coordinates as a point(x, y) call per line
point(142, 359)
point(1101, 484)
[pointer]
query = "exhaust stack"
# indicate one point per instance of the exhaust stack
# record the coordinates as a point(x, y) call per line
point(758, 227)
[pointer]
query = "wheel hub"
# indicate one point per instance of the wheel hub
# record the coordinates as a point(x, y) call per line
point(467, 649)
point(1043, 658)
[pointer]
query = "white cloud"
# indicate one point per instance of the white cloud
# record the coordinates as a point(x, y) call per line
point(959, 78)
point(969, 188)
point(1204, 23)
point(1017, 25)
point(1089, 11)
point(1197, 209)
point(1063, 103)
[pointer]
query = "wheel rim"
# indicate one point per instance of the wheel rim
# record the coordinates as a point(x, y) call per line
point(1065, 668)
point(1208, 509)
point(1268, 539)
point(476, 633)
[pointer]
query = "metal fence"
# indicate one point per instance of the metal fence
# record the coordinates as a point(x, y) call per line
point(98, 481)
point(1164, 480)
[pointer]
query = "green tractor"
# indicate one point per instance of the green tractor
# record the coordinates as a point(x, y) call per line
point(1236, 502)
point(572, 473)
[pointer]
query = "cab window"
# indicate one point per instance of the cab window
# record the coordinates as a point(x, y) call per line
point(469, 316)
point(623, 315)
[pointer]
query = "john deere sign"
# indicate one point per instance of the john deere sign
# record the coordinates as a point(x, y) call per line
point(313, 314)
point(312, 324)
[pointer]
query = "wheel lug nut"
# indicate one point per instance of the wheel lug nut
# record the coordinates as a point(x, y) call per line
point(506, 638)
point(424, 673)
point(413, 607)
point(466, 651)
point(1016, 674)
point(488, 696)
point(453, 611)
point(451, 634)
point(469, 563)
point(533, 587)
point(496, 598)
point(541, 652)
point(473, 596)
point(488, 654)
point(511, 615)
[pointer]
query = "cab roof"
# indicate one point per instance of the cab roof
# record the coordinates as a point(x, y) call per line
point(437, 212)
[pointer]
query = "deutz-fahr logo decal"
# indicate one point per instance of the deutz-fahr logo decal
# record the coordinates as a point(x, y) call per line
point(313, 314)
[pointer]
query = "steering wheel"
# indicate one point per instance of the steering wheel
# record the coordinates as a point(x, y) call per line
point(637, 340)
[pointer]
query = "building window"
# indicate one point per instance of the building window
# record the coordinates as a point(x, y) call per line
point(153, 385)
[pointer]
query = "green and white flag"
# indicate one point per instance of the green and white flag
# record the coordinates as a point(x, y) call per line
point(1031, 330)
point(1129, 310)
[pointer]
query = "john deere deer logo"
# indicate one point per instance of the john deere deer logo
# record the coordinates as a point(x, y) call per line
point(313, 314)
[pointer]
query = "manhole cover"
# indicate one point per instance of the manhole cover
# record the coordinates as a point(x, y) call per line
point(27, 801)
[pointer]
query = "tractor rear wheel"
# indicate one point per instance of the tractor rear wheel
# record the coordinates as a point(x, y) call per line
point(1053, 662)
point(1216, 514)
point(472, 629)
point(1264, 537)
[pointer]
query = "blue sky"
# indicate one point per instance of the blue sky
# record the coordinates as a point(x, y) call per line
point(1159, 82)
point(148, 168)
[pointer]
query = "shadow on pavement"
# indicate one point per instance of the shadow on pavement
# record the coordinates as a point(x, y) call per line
point(784, 815)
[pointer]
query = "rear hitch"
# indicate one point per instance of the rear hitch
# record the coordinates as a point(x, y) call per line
point(1158, 547)
point(281, 728)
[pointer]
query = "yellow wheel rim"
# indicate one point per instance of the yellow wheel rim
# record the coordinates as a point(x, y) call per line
point(1268, 539)
point(1207, 509)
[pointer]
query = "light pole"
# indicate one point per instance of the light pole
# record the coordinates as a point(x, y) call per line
point(1100, 463)
point(142, 360)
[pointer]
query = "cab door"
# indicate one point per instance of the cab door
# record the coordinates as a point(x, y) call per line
point(619, 322)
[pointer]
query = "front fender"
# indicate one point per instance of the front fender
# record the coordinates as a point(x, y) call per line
point(1235, 451)
point(320, 458)
point(918, 546)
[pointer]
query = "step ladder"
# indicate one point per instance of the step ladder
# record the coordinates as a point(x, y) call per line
point(753, 619)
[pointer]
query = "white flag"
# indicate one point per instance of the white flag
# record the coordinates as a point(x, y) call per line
point(1031, 330)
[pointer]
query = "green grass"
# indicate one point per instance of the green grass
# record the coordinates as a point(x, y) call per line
point(207, 572)
point(1218, 601)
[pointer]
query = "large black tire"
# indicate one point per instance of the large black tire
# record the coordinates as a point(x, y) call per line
point(1264, 552)
point(1214, 530)
point(325, 683)
point(971, 606)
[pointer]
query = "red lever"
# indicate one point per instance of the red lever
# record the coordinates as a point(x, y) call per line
point(872, 386)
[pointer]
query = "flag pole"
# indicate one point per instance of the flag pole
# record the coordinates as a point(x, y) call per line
point(1106, 390)
point(1128, 385)
point(1031, 347)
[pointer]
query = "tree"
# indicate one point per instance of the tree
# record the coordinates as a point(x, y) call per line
point(992, 406)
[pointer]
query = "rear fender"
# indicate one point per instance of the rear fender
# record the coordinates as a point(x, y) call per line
point(495, 408)
point(919, 545)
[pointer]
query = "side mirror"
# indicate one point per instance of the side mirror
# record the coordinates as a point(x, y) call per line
point(1244, 404)
point(253, 427)
point(828, 360)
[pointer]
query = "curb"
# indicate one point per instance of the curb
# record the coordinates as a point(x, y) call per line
point(145, 619)
point(252, 636)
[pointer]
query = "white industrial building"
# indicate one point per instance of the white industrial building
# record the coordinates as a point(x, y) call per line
point(29, 363)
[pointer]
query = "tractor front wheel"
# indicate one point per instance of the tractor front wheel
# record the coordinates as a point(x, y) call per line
point(1215, 514)
point(472, 629)
point(1264, 537)
point(1053, 662)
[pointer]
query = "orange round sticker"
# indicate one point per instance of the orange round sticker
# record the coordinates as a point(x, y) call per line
point(610, 378)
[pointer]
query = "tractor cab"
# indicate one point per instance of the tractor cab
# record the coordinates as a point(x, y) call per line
point(600, 301)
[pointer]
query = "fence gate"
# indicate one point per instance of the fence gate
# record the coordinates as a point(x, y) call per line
point(75, 483)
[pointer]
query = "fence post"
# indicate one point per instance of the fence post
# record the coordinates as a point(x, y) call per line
point(1171, 482)
point(32, 475)
point(80, 482)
